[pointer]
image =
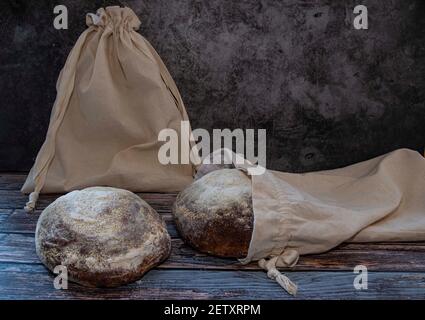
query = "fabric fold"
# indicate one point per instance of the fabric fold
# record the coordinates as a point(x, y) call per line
point(114, 97)
point(382, 199)
point(379, 200)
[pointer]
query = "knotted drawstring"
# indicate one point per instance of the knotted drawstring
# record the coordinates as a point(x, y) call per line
point(288, 258)
point(32, 201)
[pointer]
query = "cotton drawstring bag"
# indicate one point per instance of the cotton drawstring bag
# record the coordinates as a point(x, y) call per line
point(114, 95)
point(379, 200)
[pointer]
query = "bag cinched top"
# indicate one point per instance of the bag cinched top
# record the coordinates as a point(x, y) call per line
point(114, 95)
point(378, 200)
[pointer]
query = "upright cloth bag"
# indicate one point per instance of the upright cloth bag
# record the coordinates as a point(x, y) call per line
point(114, 95)
point(378, 200)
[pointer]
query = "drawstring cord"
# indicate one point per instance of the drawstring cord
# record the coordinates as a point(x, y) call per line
point(32, 201)
point(288, 258)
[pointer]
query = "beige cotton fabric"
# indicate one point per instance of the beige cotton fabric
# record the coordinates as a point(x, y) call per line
point(382, 199)
point(114, 95)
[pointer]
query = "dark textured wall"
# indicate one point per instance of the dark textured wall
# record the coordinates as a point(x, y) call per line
point(328, 95)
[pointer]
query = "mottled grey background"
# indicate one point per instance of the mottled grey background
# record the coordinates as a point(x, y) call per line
point(328, 95)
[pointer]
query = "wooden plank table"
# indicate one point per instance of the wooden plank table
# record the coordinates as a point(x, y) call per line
point(395, 270)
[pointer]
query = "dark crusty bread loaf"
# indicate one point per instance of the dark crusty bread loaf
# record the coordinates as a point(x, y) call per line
point(105, 237)
point(214, 214)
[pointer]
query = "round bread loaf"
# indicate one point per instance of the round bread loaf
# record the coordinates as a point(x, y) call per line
point(214, 214)
point(105, 237)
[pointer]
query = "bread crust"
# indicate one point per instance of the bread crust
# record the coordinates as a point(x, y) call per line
point(105, 237)
point(214, 214)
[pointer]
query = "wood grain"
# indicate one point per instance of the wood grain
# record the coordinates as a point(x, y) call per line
point(13, 199)
point(19, 247)
point(188, 274)
point(25, 281)
point(11, 181)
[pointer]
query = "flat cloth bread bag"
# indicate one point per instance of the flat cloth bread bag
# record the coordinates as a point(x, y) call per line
point(114, 95)
point(379, 200)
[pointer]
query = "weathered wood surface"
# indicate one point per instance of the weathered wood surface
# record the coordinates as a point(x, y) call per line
point(397, 269)
point(17, 244)
point(31, 281)
point(11, 181)
point(13, 199)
